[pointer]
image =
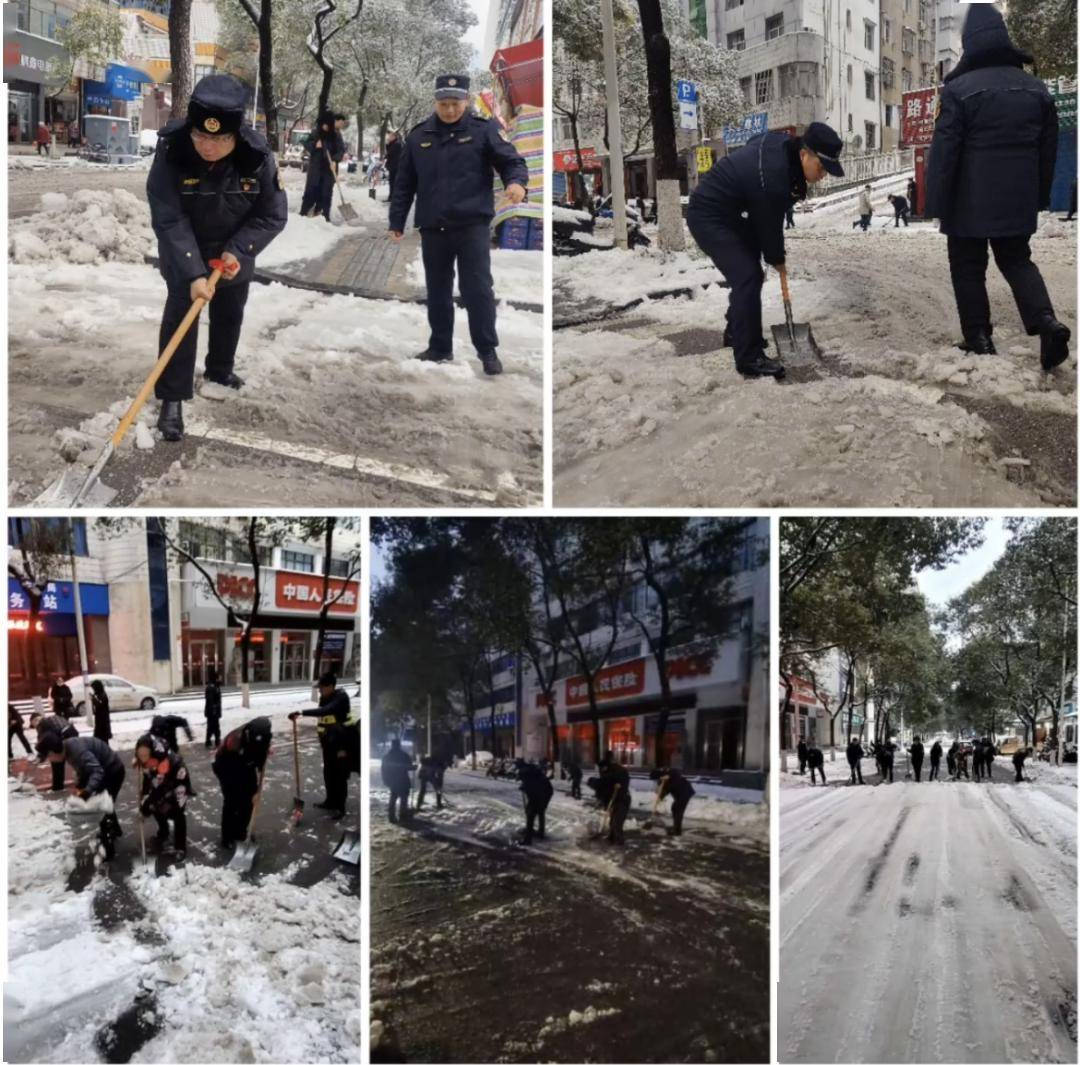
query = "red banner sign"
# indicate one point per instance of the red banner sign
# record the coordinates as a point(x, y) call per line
point(690, 666)
point(917, 114)
point(567, 160)
point(233, 586)
point(612, 682)
point(304, 591)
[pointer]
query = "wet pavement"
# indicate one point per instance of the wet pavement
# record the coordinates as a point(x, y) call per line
point(570, 950)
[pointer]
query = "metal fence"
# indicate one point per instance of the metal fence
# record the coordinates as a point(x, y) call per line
point(858, 169)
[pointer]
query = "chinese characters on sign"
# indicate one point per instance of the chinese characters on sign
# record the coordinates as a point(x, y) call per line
point(917, 114)
point(751, 126)
point(613, 682)
point(704, 159)
point(301, 591)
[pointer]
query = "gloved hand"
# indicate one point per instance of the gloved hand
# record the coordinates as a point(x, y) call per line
point(294, 715)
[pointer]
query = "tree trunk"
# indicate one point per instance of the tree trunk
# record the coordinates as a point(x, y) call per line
point(658, 65)
point(594, 717)
point(180, 56)
point(266, 75)
point(550, 699)
point(320, 639)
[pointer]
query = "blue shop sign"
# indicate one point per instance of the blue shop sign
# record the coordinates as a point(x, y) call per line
point(124, 83)
point(59, 598)
point(483, 722)
point(96, 94)
point(751, 126)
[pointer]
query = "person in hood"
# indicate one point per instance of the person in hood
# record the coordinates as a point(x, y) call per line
point(935, 761)
point(736, 215)
point(239, 764)
point(99, 705)
point(990, 172)
point(855, 755)
point(212, 709)
point(396, 767)
point(326, 148)
point(164, 789)
point(214, 193)
point(866, 210)
point(447, 164)
point(538, 790)
point(332, 715)
point(672, 782)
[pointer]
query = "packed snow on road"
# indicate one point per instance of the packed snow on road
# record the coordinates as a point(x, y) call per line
point(333, 395)
point(182, 963)
point(929, 922)
point(571, 948)
point(895, 414)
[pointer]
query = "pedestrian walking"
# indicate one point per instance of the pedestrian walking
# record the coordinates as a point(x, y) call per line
point(333, 712)
point(165, 791)
point(917, 752)
point(950, 759)
point(99, 704)
point(671, 782)
point(900, 207)
point(396, 766)
point(537, 789)
point(43, 139)
point(447, 165)
point(239, 764)
point(214, 193)
point(977, 759)
point(995, 119)
point(789, 217)
point(167, 725)
point(888, 757)
point(816, 760)
point(63, 703)
point(617, 780)
point(15, 728)
point(855, 755)
point(1018, 760)
point(431, 776)
point(44, 725)
point(988, 757)
point(736, 215)
point(574, 772)
point(325, 147)
point(866, 210)
point(212, 709)
point(802, 750)
point(935, 761)
point(393, 160)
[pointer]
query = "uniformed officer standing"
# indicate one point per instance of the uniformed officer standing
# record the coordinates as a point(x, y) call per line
point(326, 148)
point(990, 171)
point(214, 193)
point(333, 714)
point(446, 164)
point(736, 215)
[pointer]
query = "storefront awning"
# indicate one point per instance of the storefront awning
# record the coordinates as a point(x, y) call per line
point(633, 707)
point(521, 69)
point(293, 621)
point(125, 83)
point(59, 598)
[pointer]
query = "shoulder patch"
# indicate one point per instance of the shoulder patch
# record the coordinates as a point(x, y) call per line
point(192, 180)
point(425, 144)
point(937, 106)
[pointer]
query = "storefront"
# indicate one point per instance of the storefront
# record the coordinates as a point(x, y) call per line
point(802, 715)
point(502, 741)
point(285, 633)
point(30, 61)
point(54, 645)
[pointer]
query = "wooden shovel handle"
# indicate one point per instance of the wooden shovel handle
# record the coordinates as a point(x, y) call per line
point(783, 283)
point(159, 367)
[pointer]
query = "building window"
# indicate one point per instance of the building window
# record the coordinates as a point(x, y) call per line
point(340, 567)
point(201, 541)
point(50, 530)
point(746, 87)
point(850, 127)
point(871, 136)
point(869, 78)
point(730, 5)
point(888, 114)
point(298, 560)
point(774, 27)
point(763, 88)
point(886, 30)
point(850, 74)
point(888, 73)
point(905, 80)
point(848, 19)
point(924, 12)
point(736, 41)
point(907, 7)
point(798, 79)
point(868, 34)
point(908, 44)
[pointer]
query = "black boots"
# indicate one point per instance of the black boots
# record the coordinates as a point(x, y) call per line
point(760, 365)
point(1055, 343)
point(229, 380)
point(729, 342)
point(171, 420)
point(427, 355)
point(978, 344)
point(491, 364)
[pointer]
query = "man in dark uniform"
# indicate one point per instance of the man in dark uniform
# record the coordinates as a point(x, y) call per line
point(802, 750)
point(736, 215)
point(325, 147)
point(393, 159)
point(913, 196)
point(1018, 760)
point(977, 759)
point(447, 164)
point(167, 725)
point(917, 752)
point(673, 783)
point(62, 699)
point(854, 759)
point(396, 765)
point(214, 193)
point(618, 781)
point(816, 760)
point(935, 761)
point(431, 775)
point(888, 757)
point(900, 207)
point(990, 171)
point(15, 728)
point(212, 709)
point(538, 791)
point(333, 714)
point(43, 724)
point(573, 771)
point(988, 757)
point(238, 765)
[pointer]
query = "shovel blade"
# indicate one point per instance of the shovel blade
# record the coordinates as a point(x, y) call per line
point(802, 352)
point(66, 488)
point(348, 848)
point(348, 212)
point(243, 857)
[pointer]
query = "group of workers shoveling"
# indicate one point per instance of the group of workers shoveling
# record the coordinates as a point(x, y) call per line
point(165, 787)
point(990, 172)
point(611, 787)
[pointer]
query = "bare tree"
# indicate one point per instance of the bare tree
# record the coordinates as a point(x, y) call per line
point(262, 19)
point(180, 56)
point(322, 33)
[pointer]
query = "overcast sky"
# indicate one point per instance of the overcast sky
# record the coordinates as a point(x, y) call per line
point(475, 36)
point(939, 586)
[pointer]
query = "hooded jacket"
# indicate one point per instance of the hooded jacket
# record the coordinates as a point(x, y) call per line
point(995, 138)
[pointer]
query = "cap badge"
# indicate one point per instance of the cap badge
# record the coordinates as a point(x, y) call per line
point(212, 125)
point(452, 82)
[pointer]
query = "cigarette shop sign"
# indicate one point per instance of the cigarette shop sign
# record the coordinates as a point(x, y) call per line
point(304, 591)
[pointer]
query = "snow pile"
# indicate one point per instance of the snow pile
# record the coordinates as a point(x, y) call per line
point(258, 973)
point(41, 851)
point(620, 276)
point(302, 241)
point(94, 806)
point(557, 1025)
point(90, 227)
point(518, 275)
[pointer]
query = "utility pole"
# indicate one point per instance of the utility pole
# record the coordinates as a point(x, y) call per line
point(429, 723)
point(81, 632)
point(1064, 675)
point(611, 88)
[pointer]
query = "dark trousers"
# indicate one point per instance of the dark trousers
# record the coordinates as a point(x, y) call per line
point(437, 788)
point(856, 771)
point(789, 218)
point(987, 765)
point(678, 808)
point(968, 259)
point(901, 213)
point(618, 818)
point(1019, 773)
point(400, 796)
point(802, 766)
point(469, 248)
point(951, 762)
point(737, 256)
point(976, 767)
point(886, 770)
point(917, 769)
point(318, 195)
point(335, 779)
point(864, 221)
point(213, 731)
point(935, 768)
point(236, 814)
point(12, 731)
point(58, 770)
point(535, 814)
point(226, 313)
point(962, 771)
point(575, 787)
point(817, 769)
point(179, 820)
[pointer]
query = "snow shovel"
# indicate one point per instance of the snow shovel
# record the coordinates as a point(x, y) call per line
point(348, 848)
point(244, 856)
point(795, 344)
point(298, 802)
point(65, 492)
point(348, 212)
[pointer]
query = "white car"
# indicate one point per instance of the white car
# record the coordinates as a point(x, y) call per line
point(122, 694)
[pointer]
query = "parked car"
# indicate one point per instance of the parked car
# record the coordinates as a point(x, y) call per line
point(293, 155)
point(123, 694)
